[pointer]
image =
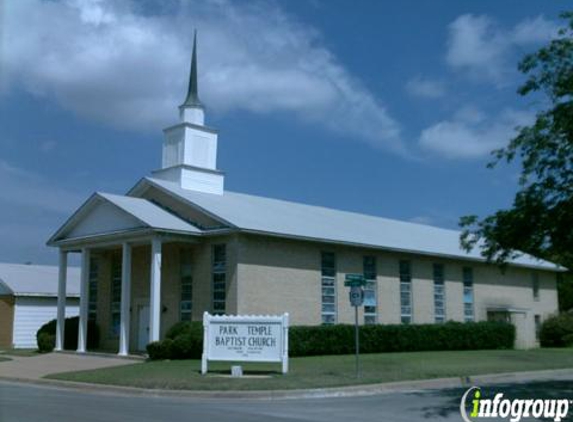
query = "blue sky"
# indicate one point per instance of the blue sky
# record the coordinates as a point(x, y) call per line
point(386, 108)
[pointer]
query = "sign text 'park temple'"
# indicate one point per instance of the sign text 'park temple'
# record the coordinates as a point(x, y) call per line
point(245, 339)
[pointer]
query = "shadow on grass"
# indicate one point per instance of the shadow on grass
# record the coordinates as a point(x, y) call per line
point(536, 390)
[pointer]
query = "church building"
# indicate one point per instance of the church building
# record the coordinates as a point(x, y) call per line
point(178, 244)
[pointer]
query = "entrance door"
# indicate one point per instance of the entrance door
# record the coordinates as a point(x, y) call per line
point(143, 330)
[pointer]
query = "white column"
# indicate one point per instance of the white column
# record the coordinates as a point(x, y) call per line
point(84, 301)
point(125, 300)
point(155, 291)
point(61, 318)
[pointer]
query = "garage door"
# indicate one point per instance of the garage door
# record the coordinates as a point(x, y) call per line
point(30, 313)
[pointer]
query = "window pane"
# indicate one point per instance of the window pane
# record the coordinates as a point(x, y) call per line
point(328, 319)
point(328, 287)
point(219, 253)
point(328, 307)
point(327, 299)
point(369, 298)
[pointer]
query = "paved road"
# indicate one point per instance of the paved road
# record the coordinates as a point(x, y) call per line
point(29, 403)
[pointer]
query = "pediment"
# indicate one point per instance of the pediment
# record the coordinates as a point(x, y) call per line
point(103, 217)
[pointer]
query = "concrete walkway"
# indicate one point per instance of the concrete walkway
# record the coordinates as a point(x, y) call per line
point(37, 367)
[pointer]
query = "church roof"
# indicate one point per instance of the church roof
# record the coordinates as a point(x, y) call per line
point(257, 214)
point(149, 213)
point(104, 213)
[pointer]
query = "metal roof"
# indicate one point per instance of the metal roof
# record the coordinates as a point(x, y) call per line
point(290, 219)
point(150, 214)
point(36, 280)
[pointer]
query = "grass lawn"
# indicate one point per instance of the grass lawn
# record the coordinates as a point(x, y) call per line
point(19, 352)
point(326, 371)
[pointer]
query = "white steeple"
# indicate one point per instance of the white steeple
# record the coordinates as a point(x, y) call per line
point(190, 147)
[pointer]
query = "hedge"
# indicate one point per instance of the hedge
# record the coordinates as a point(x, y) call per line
point(557, 331)
point(339, 339)
point(46, 335)
point(185, 340)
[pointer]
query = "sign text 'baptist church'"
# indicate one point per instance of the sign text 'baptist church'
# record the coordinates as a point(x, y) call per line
point(245, 339)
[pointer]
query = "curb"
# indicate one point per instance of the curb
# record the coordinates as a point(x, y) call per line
point(334, 392)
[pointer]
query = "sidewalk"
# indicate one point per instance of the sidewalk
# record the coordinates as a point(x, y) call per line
point(35, 368)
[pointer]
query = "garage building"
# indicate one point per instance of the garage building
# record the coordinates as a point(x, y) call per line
point(28, 299)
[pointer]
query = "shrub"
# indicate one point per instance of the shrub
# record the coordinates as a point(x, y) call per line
point(193, 328)
point(46, 342)
point(71, 333)
point(339, 339)
point(159, 350)
point(185, 340)
point(568, 340)
point(556, 331)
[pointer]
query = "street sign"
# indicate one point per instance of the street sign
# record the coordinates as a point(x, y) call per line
point(356, 296)
point(354, 280)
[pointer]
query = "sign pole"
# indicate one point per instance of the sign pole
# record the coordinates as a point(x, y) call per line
point(357, 341)
point(356, 295)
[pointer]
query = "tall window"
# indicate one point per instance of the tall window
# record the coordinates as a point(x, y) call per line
point(328, 287)
point(219, 279)
point(370, 290)
point(186, 304)
point(537, 320)
point(405, 292)
point(535, 284)
point(439, 294)
point(468, 280)
point(115, 295)
point(92, 287)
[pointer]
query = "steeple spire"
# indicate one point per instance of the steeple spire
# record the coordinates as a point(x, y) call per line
point(190, 148)
point(192, 99)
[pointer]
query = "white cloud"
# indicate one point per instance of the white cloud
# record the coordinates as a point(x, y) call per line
point(115, 63)
point(485, 50)
point(425, 88)
point(533, 30)
point(471, 134)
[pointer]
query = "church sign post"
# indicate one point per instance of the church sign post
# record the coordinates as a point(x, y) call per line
point(238, 338)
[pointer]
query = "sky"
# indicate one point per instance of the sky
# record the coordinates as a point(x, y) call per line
point(385, 108)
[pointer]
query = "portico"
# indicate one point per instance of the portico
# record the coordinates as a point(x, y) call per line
point(84, 234)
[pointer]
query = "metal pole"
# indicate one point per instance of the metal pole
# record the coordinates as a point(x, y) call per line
point(357, 341)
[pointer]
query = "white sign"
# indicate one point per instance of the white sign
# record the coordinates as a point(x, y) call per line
point(245, 339)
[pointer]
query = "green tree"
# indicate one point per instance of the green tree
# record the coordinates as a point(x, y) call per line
point(540, 221)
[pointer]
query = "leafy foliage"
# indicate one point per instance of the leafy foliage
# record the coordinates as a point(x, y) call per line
point(541, 218)
point(557, 331)
point(46, 342)
point(565, 290)
point(70, 334)
point(186, 340)
point(183, 341)
point(339, 339)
